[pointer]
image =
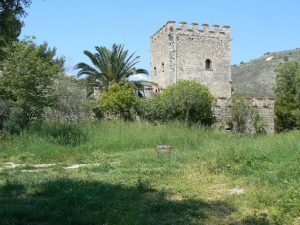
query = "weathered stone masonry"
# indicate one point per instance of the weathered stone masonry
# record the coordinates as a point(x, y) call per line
point(182, 53)
point(203, 55)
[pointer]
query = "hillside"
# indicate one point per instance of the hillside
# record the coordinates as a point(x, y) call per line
point(257, 77)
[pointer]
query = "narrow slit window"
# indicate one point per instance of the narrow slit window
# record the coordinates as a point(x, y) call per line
point(208, 64)
point(163, 67)
point(155, 72)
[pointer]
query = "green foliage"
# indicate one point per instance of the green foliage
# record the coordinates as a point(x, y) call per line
point(287, 92)
point(205, 165)
point(17, 121)
point(259, 123)
point(186, 101)
point(27, 81)
point(60, 133)
point(4, 112)
point(71, 103)
point(245, 118)
point(110, 66)
point(190, 102)
point(119, 101)
point(11, 13)
point(153, 109)
point(241, 115)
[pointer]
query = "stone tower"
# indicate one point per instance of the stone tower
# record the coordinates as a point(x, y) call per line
point(187, 53)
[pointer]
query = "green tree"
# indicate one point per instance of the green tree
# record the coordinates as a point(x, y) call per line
point(287, 100)
point(11, 13)
point(111, 66)
point(153, 109)
point(186, 101)
point(189, 101)
point(27, 82)
point(71, 103)
point(119, 101)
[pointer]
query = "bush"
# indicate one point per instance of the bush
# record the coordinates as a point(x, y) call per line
point(27, 82)
point(241, 113)
point(119, 101)
point(259, 123)
point(287, 96)
point(153, 109)
point(71, 103)
point(244, 118)
point(186, 101)
point(4, 112)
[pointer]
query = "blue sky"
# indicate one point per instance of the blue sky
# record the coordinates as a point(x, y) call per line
point(257, 26)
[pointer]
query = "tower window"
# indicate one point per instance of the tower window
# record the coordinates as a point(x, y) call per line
point(163, 67)
point(155, 73)
point(208, 64)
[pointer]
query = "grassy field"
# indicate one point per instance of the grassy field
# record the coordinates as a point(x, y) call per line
point(212, 177)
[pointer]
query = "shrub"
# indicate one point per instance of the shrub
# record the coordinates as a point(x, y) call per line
point(71, 103)
point(153, 109)
point(245, 118)
point(17, 121)
point(241, 113)
point(189, 101)
point(186, 101)
point(287, 96)
point(259, 123)
point(119, 101)
point(27, 81)
point(4, 112)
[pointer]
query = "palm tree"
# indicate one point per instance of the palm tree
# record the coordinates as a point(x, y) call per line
point(111, 66)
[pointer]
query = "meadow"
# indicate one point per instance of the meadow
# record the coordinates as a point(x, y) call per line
point(109, 173)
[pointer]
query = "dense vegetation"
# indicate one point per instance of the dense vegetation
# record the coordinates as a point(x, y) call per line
point(128, 183)
point(186, 101)
point(97, 171)
point(287, 92)
point(11, 14)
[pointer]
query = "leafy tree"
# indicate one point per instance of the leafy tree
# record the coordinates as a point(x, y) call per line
point(111, 66)
point(119, 101)
point(11, 13)
point(189, 101)
point(186, 101)
point(287, 100)
point(27, 82)
point(71, 103)
point(153, 109)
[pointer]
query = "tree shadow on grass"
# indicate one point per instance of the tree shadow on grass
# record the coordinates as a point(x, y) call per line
point(66, 201)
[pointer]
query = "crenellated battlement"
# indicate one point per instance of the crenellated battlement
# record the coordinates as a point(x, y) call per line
point(184, 28)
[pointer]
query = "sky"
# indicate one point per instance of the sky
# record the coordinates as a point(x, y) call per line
point(72, 26)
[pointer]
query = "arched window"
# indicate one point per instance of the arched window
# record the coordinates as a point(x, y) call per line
point(208, 64)
point(162, 67)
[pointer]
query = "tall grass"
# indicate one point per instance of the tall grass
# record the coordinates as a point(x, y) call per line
point(266, 166)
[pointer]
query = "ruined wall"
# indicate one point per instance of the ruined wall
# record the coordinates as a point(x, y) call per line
point(184, 52)
point(264, 106)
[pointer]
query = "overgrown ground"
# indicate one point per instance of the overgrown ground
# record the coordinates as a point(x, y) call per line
point(127, 183)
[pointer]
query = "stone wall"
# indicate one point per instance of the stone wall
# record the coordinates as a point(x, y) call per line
point(264, 106)
point(180, 53)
